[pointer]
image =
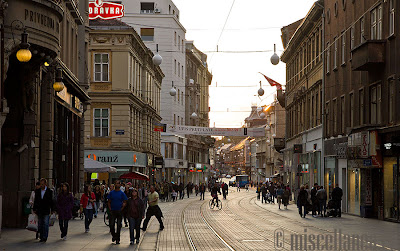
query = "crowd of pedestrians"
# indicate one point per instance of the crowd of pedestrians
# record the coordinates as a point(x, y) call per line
point(270, 191)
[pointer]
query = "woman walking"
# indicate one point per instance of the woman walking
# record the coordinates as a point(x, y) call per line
point(65, 202)
point(97, 194)
point(32, 201)
point(135, 214)
point(302, 202)
point(87, 206)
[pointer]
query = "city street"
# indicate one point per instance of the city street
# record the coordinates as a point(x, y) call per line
point(244, 223)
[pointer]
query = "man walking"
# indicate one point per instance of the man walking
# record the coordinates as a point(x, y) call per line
point(202, 191)
point(42, 207)
point(314, 200)
point(337, 194)
point(153, 209)
point(322, 197)
point(116, 202)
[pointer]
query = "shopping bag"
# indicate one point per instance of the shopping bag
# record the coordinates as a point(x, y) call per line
point(32, 222)
point(52, 220)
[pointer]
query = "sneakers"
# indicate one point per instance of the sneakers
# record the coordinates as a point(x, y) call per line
point(113, 239)
point(131, 242)
point(162, 228)
point(86, 230)
point(95, 216)
point(64, 238)
point(137, 241)
point(117, 242)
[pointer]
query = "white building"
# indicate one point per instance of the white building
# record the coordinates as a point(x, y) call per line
point(157, 22)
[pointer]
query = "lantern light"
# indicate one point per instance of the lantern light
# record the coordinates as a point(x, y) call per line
point(172, 92)
point(275, 58)
point(157, 59)
point(261, 90)
point(58, 85)
point(24, 54)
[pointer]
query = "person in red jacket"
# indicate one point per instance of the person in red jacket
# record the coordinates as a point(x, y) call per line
point(87, 205)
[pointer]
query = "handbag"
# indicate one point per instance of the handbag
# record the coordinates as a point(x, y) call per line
point(32, 222)
point(52, 220)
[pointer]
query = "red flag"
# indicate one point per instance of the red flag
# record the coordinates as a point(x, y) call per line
point(272, 82)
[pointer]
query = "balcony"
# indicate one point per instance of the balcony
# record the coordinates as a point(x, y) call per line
point(279, 144)
point(367, 56)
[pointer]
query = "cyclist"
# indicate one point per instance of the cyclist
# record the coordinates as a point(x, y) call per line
point(214, 193)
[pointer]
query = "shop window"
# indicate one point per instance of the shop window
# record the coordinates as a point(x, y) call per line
point(101, 122)
point(101, 67)
point(169, 150)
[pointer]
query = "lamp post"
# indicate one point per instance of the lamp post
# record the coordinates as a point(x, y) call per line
point(172, 92)
point(275, 58)
point(58, 84)
point(157, 59)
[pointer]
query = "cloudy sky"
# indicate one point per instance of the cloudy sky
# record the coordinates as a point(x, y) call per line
point(253, 25)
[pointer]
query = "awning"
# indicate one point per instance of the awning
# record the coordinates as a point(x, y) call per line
point(93, 166)
point(275, 175)
point(134, 176)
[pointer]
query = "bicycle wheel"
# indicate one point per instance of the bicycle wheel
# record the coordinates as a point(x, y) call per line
point(106, 218)
point(211, 204)
point(219, 204)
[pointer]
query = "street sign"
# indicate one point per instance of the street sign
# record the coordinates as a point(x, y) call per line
point(119, 132)
point(367, 162)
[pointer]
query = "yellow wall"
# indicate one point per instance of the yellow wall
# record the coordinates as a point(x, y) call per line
point(388, 186)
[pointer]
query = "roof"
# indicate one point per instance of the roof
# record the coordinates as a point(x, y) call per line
point(112, 24)
point(240, 145)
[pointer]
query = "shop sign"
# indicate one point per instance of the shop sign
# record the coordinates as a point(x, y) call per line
point(298, 148)
point(105, 10)
point(367, 162)
point(368, 189)
point(158, 161)
point(364, 145)
point(118, 158)
point(149, 159)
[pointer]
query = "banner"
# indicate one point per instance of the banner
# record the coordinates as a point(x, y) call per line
point(210, 131)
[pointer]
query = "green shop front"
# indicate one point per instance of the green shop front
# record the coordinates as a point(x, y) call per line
point(123, 161)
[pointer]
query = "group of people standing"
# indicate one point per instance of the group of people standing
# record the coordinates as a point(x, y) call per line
point(315, 200)
point(270, 191)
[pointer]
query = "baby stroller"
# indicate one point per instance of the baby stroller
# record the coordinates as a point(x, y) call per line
point(76, 209)
point(330, 209)
point(268, 197)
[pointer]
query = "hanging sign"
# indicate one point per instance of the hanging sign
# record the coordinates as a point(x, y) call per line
point(105, 10)
point(211, 131)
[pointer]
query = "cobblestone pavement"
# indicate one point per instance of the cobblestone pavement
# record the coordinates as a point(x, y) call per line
point(244, 223)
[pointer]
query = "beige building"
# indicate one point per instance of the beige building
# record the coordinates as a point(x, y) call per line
point(125, 87)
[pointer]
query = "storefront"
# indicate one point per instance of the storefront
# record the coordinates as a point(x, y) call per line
point(123, 161)
point(391, 175)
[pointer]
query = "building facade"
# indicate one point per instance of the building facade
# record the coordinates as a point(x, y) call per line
point(361, 100)
point(42, 120)
point(125, 88)
point(157, 22)
point(303, 99)
point(197, 81)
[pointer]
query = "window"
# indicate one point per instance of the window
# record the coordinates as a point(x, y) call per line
point(179, 69)
point(101, 122)
point(351, 110)
point(327, 120)
point(175, 38)
point(391, 17)
point(182, 97)
point(380, 17)
point(362, 36)
point(373, 24)
point(334, 114)
point(169, 150)
point(182, 72)
point(174, 119)
point(101, 67)
point(391, 100)
point(361, 106)
point(175, 65)
point(342, 115)
point(178, 97)
point(343, 48)
point(352, 40)
point(179, 42)
point(181, 121)
point(178, 120)
point(376, 102)
point(376, 23)
point(180, 151)
point(335, 47)
point(147, 34)
point(146, 8)
point(328, 57)
point(183, 46)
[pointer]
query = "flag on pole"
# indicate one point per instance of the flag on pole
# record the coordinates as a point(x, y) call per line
point(272, 82)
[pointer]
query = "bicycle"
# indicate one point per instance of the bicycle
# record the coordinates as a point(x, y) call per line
point(212, 204)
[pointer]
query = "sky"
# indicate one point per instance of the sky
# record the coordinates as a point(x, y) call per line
point(253, 25)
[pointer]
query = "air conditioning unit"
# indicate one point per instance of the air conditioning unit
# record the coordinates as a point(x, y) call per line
point(157, 10)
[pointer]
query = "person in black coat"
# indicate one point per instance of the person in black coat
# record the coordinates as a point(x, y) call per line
point(43, 206)
point(337, 194)
point(302, 202)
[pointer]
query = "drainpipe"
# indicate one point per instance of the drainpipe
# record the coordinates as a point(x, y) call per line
point(322, 171)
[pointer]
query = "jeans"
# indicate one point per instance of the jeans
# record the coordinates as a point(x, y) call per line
point(202, 195)
point(322, 206)
point(43, 226)
point(134, 225)
point(224, 194)
point(263, 198)
point(301, 208)
point(215, 200)
point(115, 216)
point(97, 205)
point(63, 227)
point(88, 217)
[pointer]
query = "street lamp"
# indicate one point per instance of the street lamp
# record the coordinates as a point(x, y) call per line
point(157, 59)
point(194, 115)
point(172, 92)
point(275, 58)
point(58, 85)
point(24, 54)
point(261, 90)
